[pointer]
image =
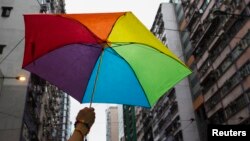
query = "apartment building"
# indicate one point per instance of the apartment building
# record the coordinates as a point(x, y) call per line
point(112, 124)
point(121, 123)
point(46, 112)
point(144, 121)
point(129, 120)
point(219, 56)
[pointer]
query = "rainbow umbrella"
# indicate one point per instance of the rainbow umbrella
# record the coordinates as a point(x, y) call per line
point(101, 57)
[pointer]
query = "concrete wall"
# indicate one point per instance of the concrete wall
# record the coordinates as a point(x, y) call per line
point(183, 94)
point(12, 102)
point(120, 121)
point(13, 92)
point(112, 124)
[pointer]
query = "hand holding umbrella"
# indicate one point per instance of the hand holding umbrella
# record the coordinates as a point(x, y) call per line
point(84, 121)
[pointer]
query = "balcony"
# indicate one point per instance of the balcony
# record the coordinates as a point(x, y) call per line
point(245, 70)
point(236, 105)
point(204, 68)
point(196, 35)
point(193, 17)
point(196, 22)
point(166, 121)
point(228, 61)
point(173, 127)
point(218, 118)
point(31, 121)
point(231, 30)
point(202, 38)
point(179, 136)
point(228, 86)
point(209, 81)
point(214, 100)
point(185, 5)
point(217, 45)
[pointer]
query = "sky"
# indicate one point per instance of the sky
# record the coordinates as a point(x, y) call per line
point(145, 10)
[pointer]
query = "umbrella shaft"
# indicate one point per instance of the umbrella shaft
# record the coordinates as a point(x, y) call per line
point(96, 78)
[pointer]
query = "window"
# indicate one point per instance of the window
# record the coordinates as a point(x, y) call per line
point(218, 117)
point(44, 8)
point(245, 70)
point(204, 5)
point(6, 11)
point(213, 101)
point(1, 48)
point(225, 65)
point(205, 66)
point(236, 52)
point(236, 105)
point(164, 40)
point(247, 37)
point(25, 132)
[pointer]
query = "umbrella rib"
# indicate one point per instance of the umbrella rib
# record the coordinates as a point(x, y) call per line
point(129, 43)
point(93, 34)
point(87, 45)
point(119, 44)
point(118, 55)
point(114, 25)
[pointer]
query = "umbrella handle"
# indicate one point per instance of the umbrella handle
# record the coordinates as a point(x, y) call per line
point(96, 78)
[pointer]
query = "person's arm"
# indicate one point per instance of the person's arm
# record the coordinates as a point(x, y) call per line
point(84, 121)
point(79, 133)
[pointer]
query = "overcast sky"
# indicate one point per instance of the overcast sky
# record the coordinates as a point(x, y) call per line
point(145, 10)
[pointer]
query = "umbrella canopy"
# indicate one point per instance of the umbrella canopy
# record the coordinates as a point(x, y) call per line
point(101, 57)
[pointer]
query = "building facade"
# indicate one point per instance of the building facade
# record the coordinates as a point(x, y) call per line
point(121, 123)
point(129, 120)
point(218, 54)
point(27, 109)
point(144, 121)
point(112, 125)
point(52, 6)
point(46, 113)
